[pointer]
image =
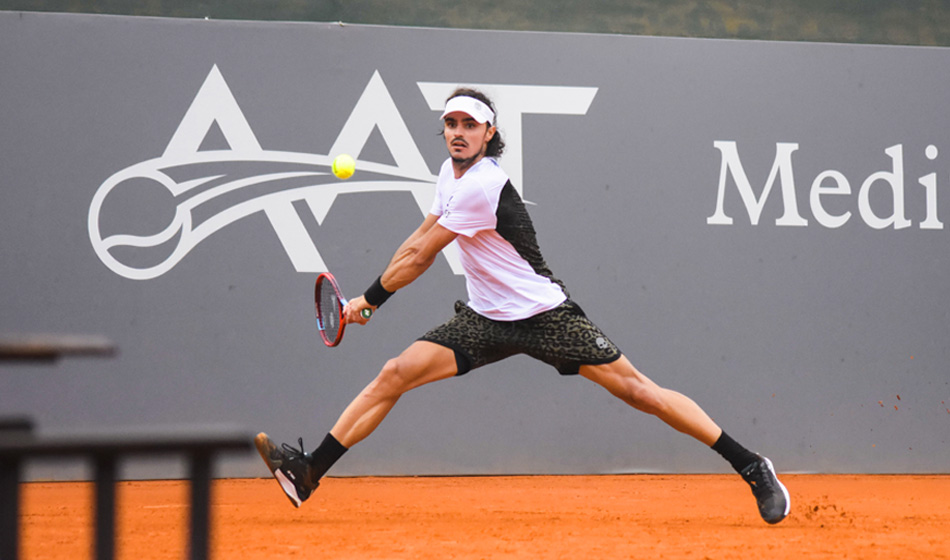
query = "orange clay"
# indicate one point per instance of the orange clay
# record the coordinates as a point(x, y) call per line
point(541, 517)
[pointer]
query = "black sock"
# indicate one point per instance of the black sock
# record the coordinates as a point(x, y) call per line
point(325, 456)
point(739, 457)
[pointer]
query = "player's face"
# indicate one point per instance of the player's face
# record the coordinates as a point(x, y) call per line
point(465, 138)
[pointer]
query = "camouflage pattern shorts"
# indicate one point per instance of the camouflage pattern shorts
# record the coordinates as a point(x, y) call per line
point(563, 337)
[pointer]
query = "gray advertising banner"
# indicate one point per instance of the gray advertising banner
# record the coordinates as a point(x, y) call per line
point(760, 226)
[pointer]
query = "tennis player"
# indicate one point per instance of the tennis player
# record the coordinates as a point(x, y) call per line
point(515, 306)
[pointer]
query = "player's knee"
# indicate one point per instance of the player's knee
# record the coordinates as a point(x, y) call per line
point(645, 398)
point(393, 379)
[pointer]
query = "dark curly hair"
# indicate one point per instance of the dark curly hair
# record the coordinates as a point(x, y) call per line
point(496, 146)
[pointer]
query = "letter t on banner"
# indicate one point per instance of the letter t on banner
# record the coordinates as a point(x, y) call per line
point(512, 101)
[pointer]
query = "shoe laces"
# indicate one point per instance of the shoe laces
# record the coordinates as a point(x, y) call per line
point(759, 477)
point(294, 453)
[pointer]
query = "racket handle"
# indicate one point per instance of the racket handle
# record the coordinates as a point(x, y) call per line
point(366, 313)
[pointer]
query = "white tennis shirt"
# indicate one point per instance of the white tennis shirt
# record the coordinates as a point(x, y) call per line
point(502, 284)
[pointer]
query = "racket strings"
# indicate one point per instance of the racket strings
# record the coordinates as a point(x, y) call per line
point(330, 310)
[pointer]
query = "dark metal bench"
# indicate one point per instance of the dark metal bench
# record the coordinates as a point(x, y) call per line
point(52, 347)
point(105, 450)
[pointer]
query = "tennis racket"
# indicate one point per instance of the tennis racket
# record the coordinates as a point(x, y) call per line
point(328, 302)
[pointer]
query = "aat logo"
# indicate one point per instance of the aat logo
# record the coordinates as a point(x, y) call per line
point(212, 189)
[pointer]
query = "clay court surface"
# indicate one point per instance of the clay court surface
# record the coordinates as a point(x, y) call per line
point(595, 517)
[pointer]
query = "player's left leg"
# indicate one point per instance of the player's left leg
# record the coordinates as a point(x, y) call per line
point(680, 412)
point(624, 381)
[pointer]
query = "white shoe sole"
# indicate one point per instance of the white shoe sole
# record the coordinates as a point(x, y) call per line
point(289, 488)
point(788, 499)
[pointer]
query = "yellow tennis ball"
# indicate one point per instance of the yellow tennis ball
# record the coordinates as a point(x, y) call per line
point(344, 166)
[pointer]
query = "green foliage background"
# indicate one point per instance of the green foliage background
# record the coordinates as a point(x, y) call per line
point(907, 22)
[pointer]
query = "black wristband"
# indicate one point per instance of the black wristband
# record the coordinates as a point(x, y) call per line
point(376, 294)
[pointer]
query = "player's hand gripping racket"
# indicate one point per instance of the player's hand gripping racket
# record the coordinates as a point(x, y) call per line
point(329, 303)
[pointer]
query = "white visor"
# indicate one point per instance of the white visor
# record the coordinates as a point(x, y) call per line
point(471, 107)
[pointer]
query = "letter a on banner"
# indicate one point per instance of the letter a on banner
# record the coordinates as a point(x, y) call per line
point(215, 103)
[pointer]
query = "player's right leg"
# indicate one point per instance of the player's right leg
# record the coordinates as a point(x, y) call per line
point(423, 362)
point(299, 472)
point(290, 466)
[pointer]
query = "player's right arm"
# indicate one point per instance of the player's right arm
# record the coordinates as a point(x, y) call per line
point(413, 257)
point(416, 254)
point(426, 225)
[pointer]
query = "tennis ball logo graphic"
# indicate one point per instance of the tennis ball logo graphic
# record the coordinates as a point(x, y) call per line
point(343, 166)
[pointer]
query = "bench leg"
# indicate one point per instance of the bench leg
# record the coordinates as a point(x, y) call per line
point(104, 518)
point(200, 506)
point(9, 509)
